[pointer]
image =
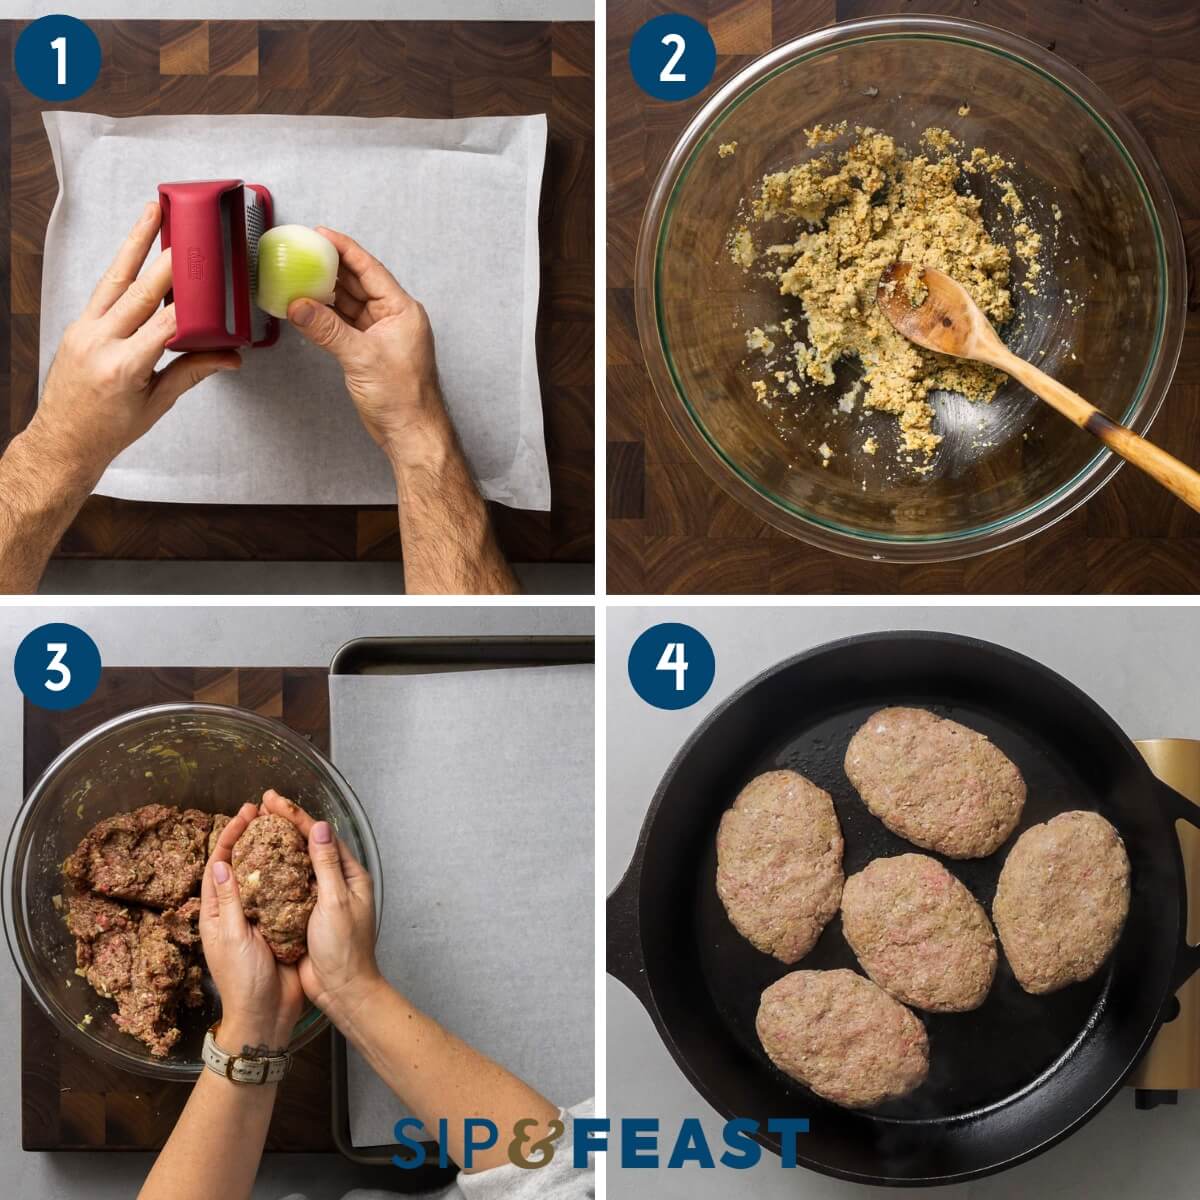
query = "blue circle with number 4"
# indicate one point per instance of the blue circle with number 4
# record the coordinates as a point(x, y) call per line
point(671, 665)
point(57, 666)
point(672, 57)
point(57, 58)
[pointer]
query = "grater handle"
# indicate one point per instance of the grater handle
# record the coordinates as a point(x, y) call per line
point(191, 229)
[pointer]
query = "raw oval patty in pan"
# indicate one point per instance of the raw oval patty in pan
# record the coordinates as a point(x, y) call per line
point(919, 933)
point(779, 863)
point(1062, 900)
point(843, 1036)
point(935, 782)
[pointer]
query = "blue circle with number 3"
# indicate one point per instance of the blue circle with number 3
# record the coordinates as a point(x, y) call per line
point(672, 57)
point(671, 665)
point(57, 58)
point(57, 666)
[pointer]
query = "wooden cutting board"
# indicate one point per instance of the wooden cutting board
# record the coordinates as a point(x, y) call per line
point(68, 1100)
point(349, 68)
point(671, 529)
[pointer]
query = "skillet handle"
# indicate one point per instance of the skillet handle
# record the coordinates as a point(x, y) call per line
point(624, 959)
point(1180, 808)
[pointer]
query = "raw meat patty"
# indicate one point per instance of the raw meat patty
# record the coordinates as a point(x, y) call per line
point(779, 863)
point(843, 1036)
point(1062, 900)
point(935, 782)
point(141, 959)
point(276, 883)
point(153, 855)
point(919, 933)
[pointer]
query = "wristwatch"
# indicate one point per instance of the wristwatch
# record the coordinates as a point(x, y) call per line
point(243, 1068)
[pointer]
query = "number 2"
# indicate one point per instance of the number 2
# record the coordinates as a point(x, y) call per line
point(57, 650)
point(59, 46)
point(672, 660)
point(669, 75)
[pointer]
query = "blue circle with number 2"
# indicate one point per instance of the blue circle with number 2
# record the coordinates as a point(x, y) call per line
point(57, 666)
point(671, 665)
point(57, 58)
point(672, 57)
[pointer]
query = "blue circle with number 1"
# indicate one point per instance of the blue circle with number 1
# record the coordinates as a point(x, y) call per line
point(671, 665)
point(672, 57)
point(57, 666)
point(57, 58)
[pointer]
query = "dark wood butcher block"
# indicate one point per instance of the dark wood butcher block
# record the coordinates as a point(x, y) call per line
point(670, 529)
point(351, 68)
point(72, 1102)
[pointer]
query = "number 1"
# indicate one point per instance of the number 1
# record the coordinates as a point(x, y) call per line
point(59, 46)
point(672, 660)
point(57, 650)
point(669, 75)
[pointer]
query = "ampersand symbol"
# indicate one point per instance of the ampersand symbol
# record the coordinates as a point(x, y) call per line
point(544, 1145)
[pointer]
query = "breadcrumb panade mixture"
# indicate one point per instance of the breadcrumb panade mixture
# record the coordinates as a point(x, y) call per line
point(855, 211)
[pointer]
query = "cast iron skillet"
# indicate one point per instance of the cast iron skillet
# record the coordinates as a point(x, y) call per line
point(1006, 1081)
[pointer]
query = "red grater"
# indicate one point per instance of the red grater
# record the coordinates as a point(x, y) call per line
point(213, 228)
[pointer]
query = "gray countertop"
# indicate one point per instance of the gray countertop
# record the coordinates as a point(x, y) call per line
point(1141, 664)
point(185, 636)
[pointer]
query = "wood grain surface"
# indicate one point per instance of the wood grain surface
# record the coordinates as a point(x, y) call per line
point(72, 1102)
point(670, 529)
point(367, 69)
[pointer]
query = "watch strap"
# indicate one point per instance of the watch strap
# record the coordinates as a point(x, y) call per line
point(242, 1068)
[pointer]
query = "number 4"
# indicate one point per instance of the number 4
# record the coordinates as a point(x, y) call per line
point(57, 650)
point(672, 660)
point(59, 46)
point(669, 75)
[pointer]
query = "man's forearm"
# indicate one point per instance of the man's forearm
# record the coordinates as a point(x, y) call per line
point(41, 491)
point(437, 1074)
point(445, 531)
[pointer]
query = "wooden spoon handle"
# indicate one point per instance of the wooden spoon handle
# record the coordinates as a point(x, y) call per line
point(1175, 476)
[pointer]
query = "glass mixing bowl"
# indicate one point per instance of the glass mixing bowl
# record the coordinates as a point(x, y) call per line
point(204, 756)
point(1005, 470)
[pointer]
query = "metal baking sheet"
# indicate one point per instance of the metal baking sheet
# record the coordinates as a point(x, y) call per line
point(527, 713)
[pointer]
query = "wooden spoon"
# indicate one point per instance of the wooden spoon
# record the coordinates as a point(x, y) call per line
point(949, 321)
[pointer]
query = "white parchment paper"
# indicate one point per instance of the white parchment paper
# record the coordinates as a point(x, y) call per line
point(479, 786)
point(450, 207)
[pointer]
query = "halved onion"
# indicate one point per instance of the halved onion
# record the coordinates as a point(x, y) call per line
point(294, 262)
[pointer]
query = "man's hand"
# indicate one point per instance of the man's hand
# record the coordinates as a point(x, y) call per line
point(102, 392)
point(261, 998)
point(382, 338)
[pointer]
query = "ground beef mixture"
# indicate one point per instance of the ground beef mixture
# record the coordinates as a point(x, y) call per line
point(131, 901)
point(936, 782)
point(276, 883)
point(147, 961)
point(1062, 900)
point(919, 933)
point(154, 855)
point(779, 863)
point(843, 1036)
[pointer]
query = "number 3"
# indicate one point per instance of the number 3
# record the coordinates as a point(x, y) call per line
point(672, 660)
point(57, 650)
point(669, 75)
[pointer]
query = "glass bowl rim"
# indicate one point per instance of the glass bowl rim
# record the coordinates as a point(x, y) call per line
point(1032, 518)
point(314, 1021)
